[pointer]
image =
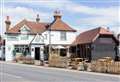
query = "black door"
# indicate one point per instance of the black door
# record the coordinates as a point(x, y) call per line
point(37, 53)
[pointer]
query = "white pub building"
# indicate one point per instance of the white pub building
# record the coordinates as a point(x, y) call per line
point(35, 37)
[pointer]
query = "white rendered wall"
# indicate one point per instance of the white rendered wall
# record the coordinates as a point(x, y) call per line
point(55, 39)
point(9, 47)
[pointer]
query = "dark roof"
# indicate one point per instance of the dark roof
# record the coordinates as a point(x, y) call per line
point(91, 35)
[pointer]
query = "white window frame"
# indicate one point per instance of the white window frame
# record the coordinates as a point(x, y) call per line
point(63, 35)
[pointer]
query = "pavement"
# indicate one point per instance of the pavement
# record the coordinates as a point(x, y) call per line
point(14, 72)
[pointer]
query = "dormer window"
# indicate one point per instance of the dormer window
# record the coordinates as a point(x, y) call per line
point(24, 29)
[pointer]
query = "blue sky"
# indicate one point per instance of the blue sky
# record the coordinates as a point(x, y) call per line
point(79, 14)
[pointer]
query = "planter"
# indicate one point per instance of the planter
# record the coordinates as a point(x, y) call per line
point(80, 67)
point(89, 67)
point(21, 62)
point(38, 62)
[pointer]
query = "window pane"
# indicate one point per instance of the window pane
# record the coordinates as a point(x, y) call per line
point(63, 36)
point(12, 38)
point(24, 37)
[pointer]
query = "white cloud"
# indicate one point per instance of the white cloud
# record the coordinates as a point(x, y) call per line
point(99, 16)
point(94, 22)
point(110, 11)
point(99, 20)
point(19, 13)
point(52, 4)
point(115, 30)
point(73, 7)
point(22, 12)
point(108, 16)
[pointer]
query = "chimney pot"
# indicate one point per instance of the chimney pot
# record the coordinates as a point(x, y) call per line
point(57, 15)
point(7, 22)
point(38, 18)
point(7, 17)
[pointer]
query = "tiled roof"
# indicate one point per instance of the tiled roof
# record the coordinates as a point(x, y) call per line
point(59, 25)
point(91, 35)
point(34, 26)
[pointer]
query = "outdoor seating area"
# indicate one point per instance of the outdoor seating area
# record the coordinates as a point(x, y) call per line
point(104, 65)
point(58, 58)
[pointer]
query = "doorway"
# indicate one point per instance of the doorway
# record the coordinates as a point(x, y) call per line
point(37, 53)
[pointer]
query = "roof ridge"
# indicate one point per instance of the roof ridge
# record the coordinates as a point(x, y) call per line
point(22, 21)
point(105, 30)
point(88, 31)
point(37, 22)
point(88, 36)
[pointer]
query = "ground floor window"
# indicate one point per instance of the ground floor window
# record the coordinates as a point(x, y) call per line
point(24, 49)
point(63, 52)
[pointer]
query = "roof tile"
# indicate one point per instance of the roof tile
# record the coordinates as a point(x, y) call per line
point(89, 36)
point(34, 26)
point(59, 25)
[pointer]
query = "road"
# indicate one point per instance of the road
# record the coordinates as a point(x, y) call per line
point(27, 73)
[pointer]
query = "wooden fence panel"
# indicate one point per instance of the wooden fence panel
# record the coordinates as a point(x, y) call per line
point(112, 67)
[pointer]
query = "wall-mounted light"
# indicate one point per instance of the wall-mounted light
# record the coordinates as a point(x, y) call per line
point(32, 49)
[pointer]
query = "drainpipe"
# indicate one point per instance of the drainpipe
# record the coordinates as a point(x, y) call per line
point(76, 49)
point(49, 43)
point(42, 58)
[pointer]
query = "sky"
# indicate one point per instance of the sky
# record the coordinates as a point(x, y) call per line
point(81, 15)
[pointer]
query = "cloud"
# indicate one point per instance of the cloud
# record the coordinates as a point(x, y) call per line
point(70, 6)
point(105, 16)
point(76, 8)
point(51, 4)
point(22, 12)
point(18, 13)
point(94, 22)
point(115, 30)
point(101, 20)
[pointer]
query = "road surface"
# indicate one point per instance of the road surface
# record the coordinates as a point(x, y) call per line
point(27, 73)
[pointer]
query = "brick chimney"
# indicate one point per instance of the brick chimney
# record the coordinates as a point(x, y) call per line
point(38, 18)
point(7, 22)
point(57, 15)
